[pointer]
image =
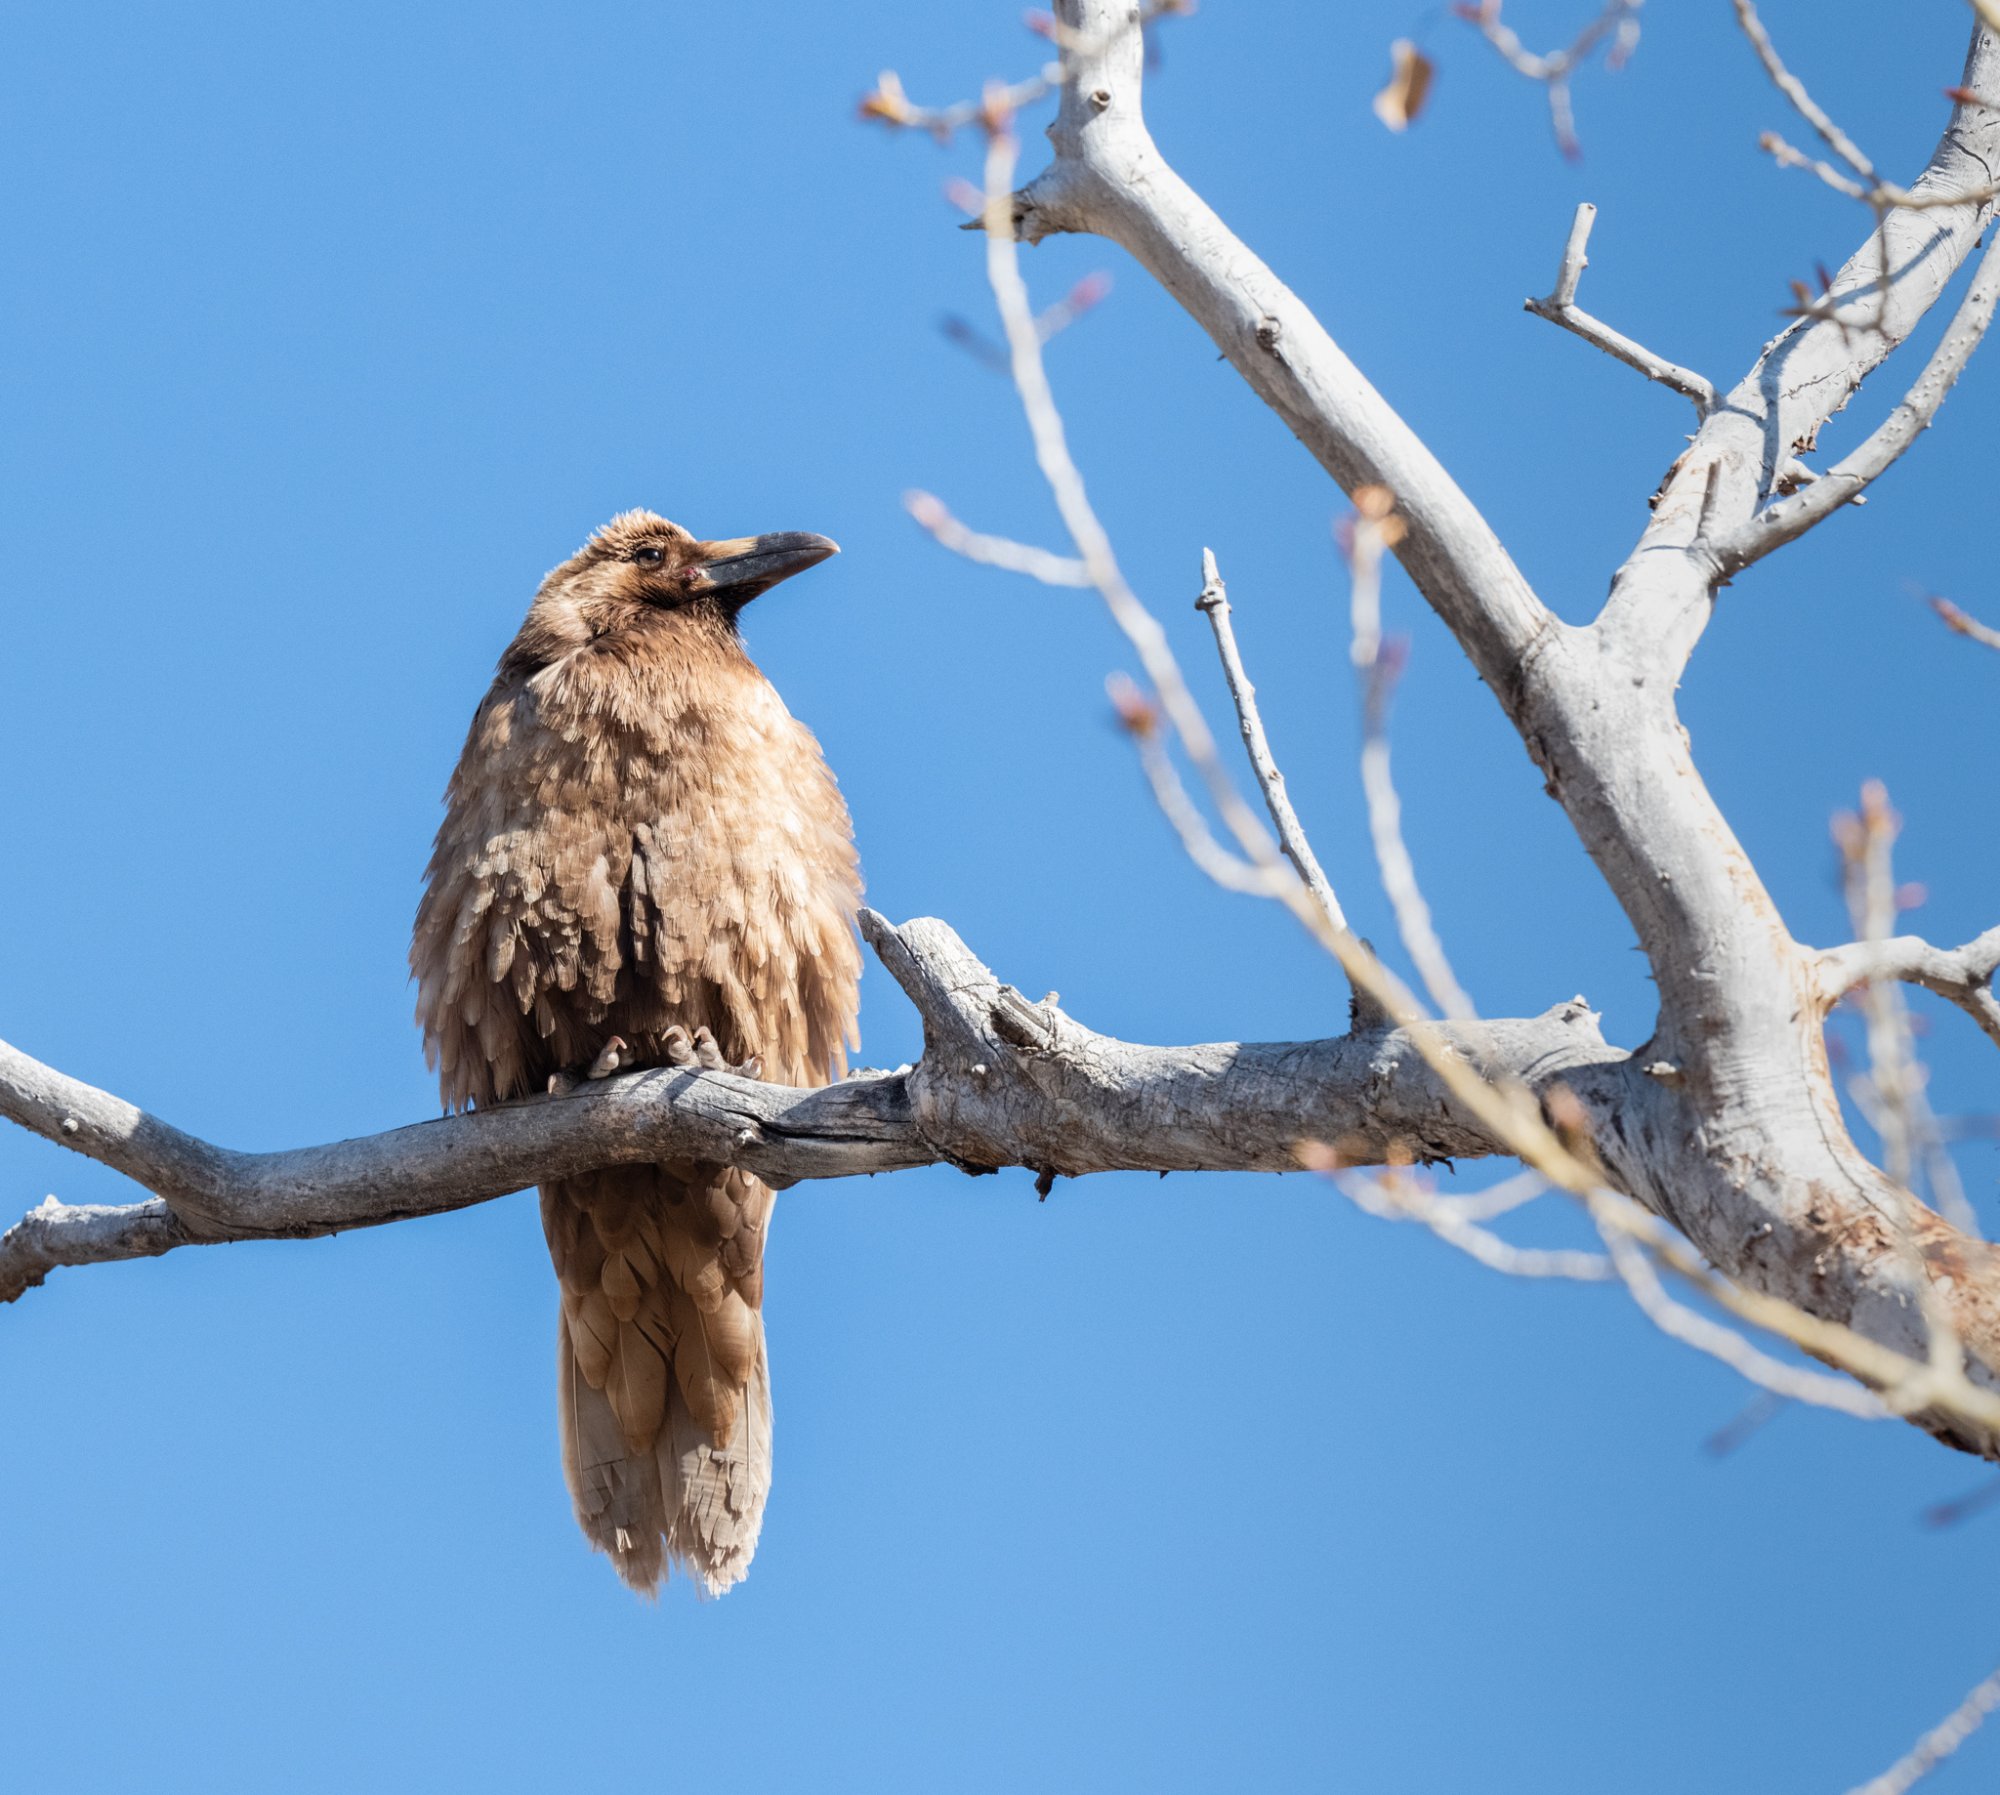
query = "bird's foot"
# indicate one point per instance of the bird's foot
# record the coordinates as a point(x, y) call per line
point(698, 1053)
point(611, 1057)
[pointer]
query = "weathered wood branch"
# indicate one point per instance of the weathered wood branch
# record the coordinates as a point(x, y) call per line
point(1002, 1082)
point(1560, 308)
point(1960, 975)
point(1664, 594)
point(1787, 518)
point(1738, 1139)
point(1109, 178)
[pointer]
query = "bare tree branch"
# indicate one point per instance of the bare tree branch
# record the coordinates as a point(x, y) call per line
point(1617, 20)
point(1663, 596)
point(1939, 1743)
point(1960, 975)
point(1003, 1082)
point(993, 551)
point(1735, 1136)
point(1374, 530)
point(1794, 90)
point(1214, 601)
point(1965, 624)
point(1791, 517)
point(1560, 308)
point(1109, 178)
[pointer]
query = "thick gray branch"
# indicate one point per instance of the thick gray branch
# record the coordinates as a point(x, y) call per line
point(1706, 515)
point(1786, 519)
point(1109, 178)
point(1002, 1082)
point(1738, 1138)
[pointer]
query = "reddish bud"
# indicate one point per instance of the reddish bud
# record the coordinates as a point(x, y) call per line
point(1089, 291)
point(888, 102)
point(1137, 714)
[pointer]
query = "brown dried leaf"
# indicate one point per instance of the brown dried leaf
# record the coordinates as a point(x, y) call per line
point(1398, 104)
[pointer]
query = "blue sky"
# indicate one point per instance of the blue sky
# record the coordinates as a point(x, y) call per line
point(327, 330)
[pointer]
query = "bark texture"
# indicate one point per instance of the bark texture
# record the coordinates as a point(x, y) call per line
point(1003, 1082)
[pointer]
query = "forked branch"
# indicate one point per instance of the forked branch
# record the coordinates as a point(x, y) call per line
point(1560, 308)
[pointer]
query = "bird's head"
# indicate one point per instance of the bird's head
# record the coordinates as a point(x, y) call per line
point(640, 572)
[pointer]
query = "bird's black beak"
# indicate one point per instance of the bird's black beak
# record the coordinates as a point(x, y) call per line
point(736, 571)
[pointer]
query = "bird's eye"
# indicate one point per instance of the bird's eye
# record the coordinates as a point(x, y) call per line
point(649, 557)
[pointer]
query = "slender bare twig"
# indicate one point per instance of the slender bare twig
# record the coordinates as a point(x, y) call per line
point(1960, 975)
point(1787, 518)
point(1865, 839)
point(1894, 1086)
point(1939, 1743)
point(1141, 720)
point(1786, 156)
point(1396, 1198)
point(1754, 1416)
point(887, 103)
point(1694, 1329)
point(1141, 628)
point(1963, 621)
point(1214, 600)
point(1794, 90)
point(993, 551)
point(1375, 529)
point(1618, 20)
point(1560, 308)
point(1498, 1199)
point(1956, 1509)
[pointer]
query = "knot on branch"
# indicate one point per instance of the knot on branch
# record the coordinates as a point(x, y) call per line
point(990, 1089)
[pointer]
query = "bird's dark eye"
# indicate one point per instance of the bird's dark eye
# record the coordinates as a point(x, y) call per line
point(649, 557)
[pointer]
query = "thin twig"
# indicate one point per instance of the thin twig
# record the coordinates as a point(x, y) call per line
point(1395, 1198)
point(1962, 621)
point(1560, 308)
point(1788, 518)
point(1214, 600)
point(1228, 869)
point(1960, 975)
point(1553, 70)
point(1939, 1743)
point(1045, 426)
point(993, 551)
point(1375, 530)
point(1802, 102)
point(1681, 1323)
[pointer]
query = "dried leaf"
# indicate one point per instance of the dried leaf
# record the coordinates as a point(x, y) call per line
point(1398, 104)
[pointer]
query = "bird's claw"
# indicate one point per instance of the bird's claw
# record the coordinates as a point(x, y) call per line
point(699, 1053)
point(612, 1057)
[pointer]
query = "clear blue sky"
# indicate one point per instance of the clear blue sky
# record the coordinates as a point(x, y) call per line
point(326, 330)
